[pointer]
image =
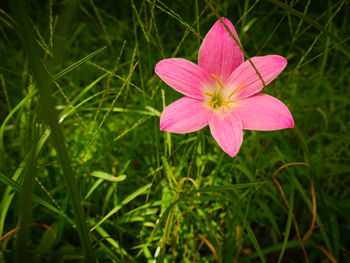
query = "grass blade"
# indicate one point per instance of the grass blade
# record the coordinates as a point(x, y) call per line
point(251, 235)
point(78, 63)
point(43, 81)
point(17, 187)
point(122, 203)
point(288, 225)
point(229, 187)
point(8, 117)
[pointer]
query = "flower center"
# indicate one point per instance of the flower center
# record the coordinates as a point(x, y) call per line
point(217, 99)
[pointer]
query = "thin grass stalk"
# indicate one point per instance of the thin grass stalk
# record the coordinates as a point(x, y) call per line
point(321, 28)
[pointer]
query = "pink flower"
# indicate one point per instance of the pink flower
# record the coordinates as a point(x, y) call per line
point(222, 91)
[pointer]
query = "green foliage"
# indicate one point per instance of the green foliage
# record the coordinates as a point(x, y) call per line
point(85, 171)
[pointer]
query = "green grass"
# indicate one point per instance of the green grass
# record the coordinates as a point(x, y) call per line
point(86, 175)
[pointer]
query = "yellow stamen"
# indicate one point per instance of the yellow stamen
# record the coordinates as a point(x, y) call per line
point(209, 94)
point(224, 103)
point(233, 92)
point(217, 79)
point(212, 103)
point(230, 101)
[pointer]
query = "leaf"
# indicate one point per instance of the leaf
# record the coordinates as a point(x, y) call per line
point(108, 177)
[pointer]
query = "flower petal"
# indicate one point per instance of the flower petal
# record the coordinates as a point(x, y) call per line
point(264, 113)
point(184, 115)
point(245, 75)
point(219, 54)
point(183, 76)
point(227, 131)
